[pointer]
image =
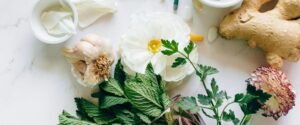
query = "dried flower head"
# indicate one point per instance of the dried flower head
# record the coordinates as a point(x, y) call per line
point(275, 83)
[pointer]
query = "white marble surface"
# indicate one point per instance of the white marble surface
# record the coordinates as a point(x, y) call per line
point(36, 84)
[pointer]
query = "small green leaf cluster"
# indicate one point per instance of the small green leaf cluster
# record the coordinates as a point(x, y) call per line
point(125, 99)
point(210, 103)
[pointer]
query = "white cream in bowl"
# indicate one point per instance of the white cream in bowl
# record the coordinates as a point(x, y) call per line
point(54, 21)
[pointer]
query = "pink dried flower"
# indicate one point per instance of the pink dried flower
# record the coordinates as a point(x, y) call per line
point(275, 83)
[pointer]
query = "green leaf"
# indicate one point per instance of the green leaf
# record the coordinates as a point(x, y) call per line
point(241, 98)
point(178, 61)
point(189, 103)
point(168, 52)
point(252, 101)
point(238, 97)
point(206, 70)
point(222, 95)
point(66, 119)
point(246, 119)
point(204, 100)
point(165, 99)
point(109, 101)
point(171, 47)
point(143, 97)
point(262, 96)
point(230, 117)
point(112, 86)
point(119, 74)
point(92, 111)
point(125, 116)
point(218, 103)
point(144, 117)
point(214, 87)
point(188, 49)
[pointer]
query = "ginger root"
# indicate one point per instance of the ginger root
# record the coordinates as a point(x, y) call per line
point(91, 60)
point(276, 31)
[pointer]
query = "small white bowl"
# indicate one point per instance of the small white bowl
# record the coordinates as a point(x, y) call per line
point(38, 29)
point(221, 3)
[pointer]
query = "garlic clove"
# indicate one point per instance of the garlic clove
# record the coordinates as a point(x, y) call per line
point(91, 60)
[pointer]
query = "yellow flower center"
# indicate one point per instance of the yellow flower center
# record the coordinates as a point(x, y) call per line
point(154, 45)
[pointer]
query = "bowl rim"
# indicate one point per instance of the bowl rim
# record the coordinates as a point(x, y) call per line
point(220, 4)
point(59, 39)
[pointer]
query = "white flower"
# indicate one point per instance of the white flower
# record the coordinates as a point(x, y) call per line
point(141, 45)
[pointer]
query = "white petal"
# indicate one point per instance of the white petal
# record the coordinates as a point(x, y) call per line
point(90, 10)
point(137, 60)
point(159, 63)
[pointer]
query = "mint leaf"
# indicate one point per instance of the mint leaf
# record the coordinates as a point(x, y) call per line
point(188, 49)
point(119, 74)
point(178, 61)
point(204, 100)
point(112, 86)
point(109, 101)
point(66, 119)
point(144, 118)
point(91, 111)
point(189, 103)
point(125, 116)
point(143, 97)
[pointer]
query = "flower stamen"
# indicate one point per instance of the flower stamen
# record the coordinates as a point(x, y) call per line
point(154, 45)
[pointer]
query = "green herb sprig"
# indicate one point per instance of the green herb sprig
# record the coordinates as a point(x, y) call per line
point(210, 104)
point(125, 99)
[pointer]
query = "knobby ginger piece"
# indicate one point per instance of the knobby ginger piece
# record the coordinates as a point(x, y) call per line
point(277, 31)
point(91, 60)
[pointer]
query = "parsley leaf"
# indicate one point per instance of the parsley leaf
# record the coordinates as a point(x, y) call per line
point(188, 49)
point(178, 61)
point(189, 103)
point(171, 47)
point(230, 117)
point(203, 99)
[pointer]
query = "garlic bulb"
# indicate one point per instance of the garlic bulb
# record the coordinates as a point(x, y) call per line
point(91, 60)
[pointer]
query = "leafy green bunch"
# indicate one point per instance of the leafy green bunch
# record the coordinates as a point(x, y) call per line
point(125, 99)
point(210, 103)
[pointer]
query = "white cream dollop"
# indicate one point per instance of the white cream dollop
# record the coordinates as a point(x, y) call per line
point(58, 20)
point(90, 10)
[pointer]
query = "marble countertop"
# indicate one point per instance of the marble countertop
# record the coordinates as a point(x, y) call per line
point(36, 83)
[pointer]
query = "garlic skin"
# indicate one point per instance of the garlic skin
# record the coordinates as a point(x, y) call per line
point(91, 60)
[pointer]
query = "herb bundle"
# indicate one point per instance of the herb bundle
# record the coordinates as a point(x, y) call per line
point(211, 103)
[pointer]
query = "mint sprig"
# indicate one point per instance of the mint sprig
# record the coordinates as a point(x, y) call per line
point(126, 99)
point(211, 103)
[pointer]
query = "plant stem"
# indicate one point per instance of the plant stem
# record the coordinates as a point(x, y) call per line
point(205, 87)
point(225, 108)
point(243, 122)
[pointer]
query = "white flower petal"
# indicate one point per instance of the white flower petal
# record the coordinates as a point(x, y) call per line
point(149, 26)
point(159, 63)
